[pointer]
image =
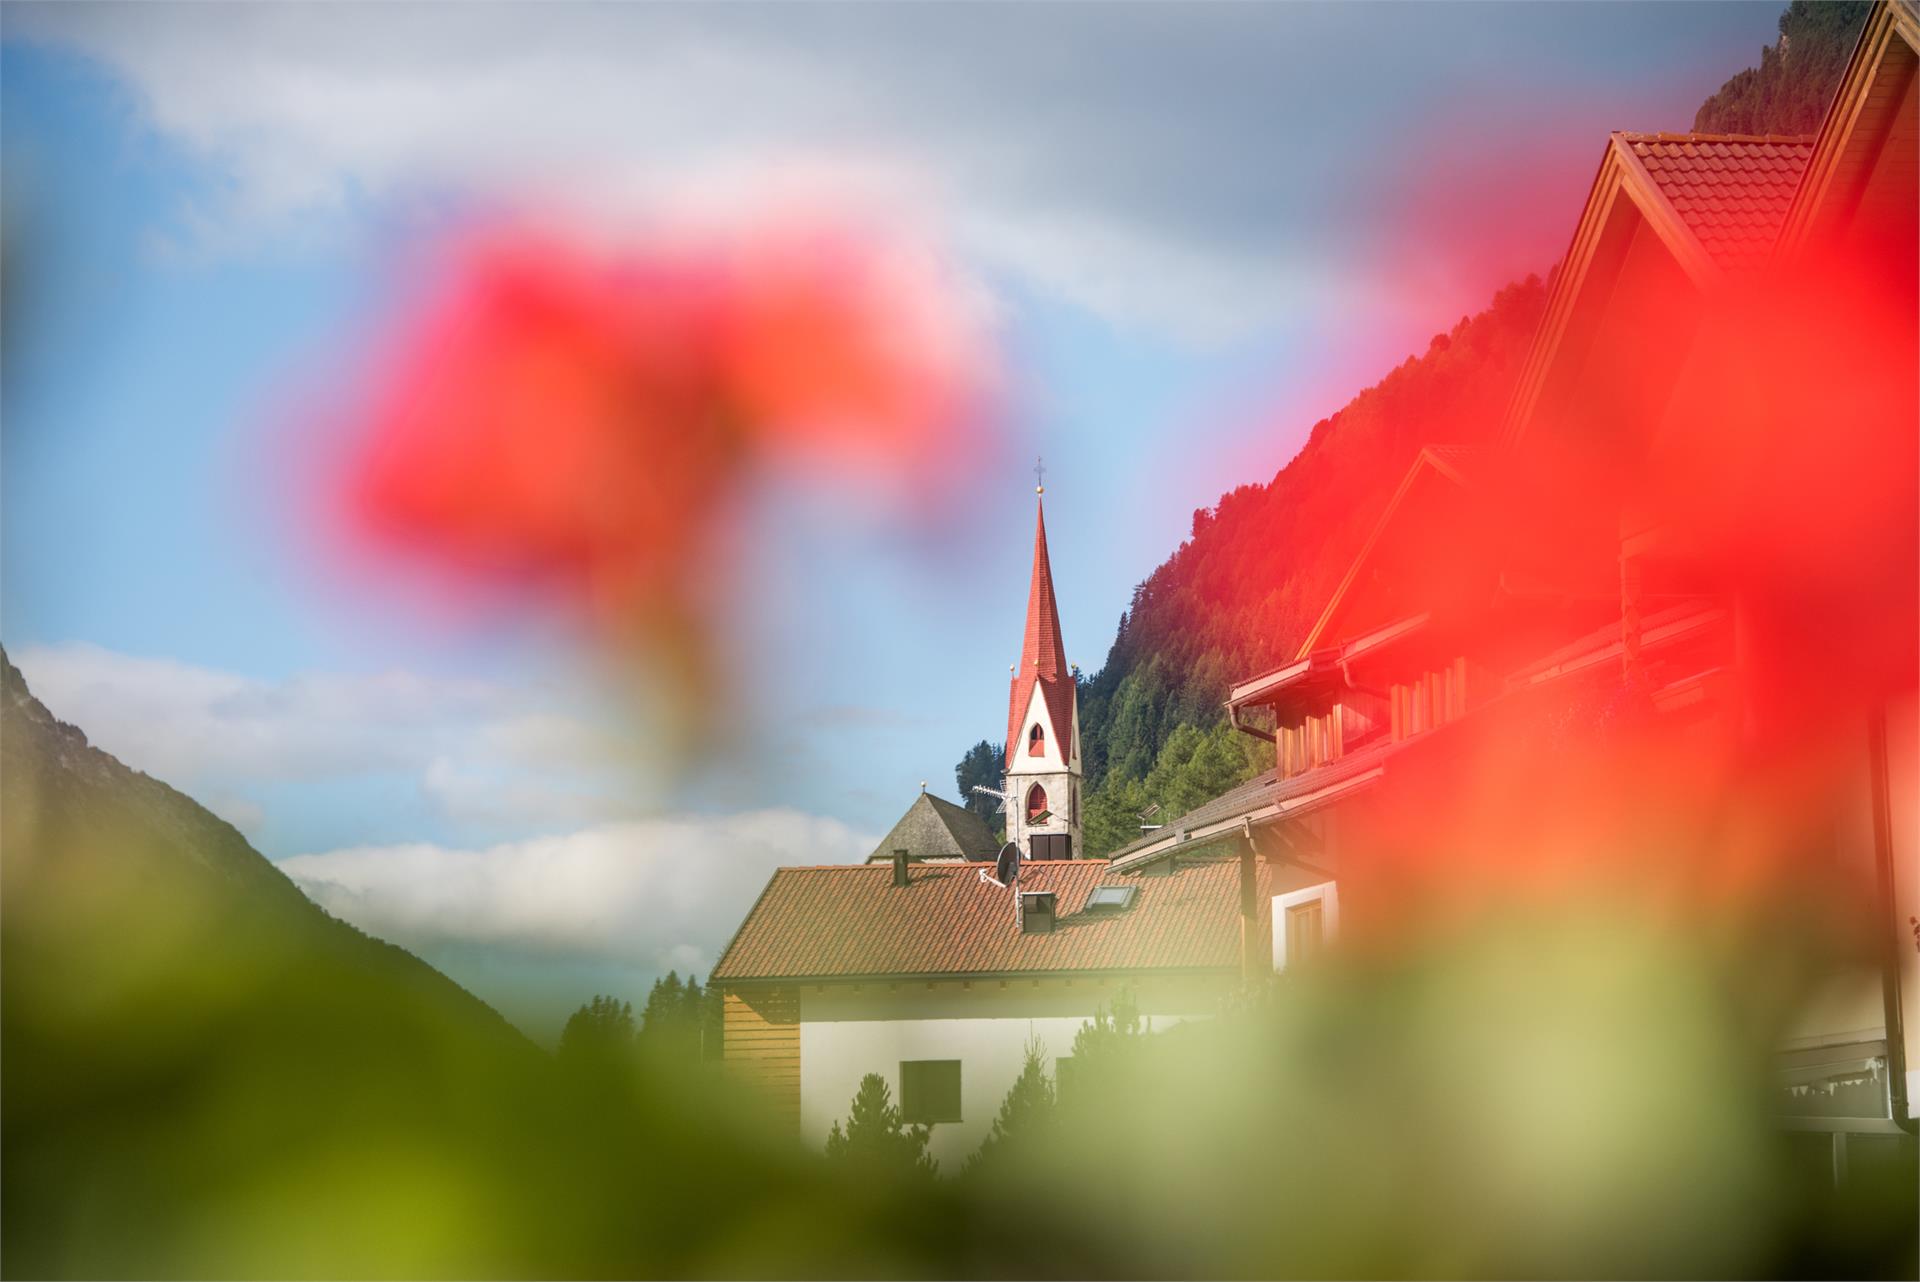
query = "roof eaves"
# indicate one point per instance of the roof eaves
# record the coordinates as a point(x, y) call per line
point(1565, 287)
point(1896, 19)
point(943, 976)
point(1287, 799)
point(721, 964)
point(1424, 459)
point(1665, 220)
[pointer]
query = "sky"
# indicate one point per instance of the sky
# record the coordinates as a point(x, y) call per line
point(1191, 230)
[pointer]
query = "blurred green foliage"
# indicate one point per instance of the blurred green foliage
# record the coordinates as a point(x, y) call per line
point(204, 1075)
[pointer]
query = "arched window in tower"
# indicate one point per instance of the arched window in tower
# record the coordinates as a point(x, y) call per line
point(1036, 741)
point(1036, 801)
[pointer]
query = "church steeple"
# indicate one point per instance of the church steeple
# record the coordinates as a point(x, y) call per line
point(1043, 723)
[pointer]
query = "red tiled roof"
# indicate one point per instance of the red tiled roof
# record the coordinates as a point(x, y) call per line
point(852, 921)
point(1731, 190)
point(1043, 657)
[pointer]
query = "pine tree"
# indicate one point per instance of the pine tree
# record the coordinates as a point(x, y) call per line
point(1106, 1047)
point(602, 1031)
point(875, 1140)
point(672, 1021)
point(981, 765)
point(1026, 1114)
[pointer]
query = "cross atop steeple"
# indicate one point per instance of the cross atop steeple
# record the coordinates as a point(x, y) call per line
point(1039, 475)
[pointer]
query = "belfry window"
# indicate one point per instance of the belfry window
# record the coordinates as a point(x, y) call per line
point(1036, 802)
point(1036, 741)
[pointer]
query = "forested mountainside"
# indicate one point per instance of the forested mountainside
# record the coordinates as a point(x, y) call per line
point(1789, 91)
point(1241, 593)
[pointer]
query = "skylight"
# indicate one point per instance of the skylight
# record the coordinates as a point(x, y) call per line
point(1111, 899)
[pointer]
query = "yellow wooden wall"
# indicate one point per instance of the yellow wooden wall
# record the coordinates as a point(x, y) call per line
point(760, 1044)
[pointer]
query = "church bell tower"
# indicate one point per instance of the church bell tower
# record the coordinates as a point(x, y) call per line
point(1043, 724)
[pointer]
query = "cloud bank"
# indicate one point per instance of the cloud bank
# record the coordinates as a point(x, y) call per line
point(536, 927)
point(478, 754)
point(1175, 166)
point(661, 892)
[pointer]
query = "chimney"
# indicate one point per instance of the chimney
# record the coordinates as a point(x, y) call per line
point(900, 877)
point(1036, 912)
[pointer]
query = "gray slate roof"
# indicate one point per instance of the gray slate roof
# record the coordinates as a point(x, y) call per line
point(934, 828)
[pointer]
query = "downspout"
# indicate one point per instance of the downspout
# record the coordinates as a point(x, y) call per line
point(1890, 943)
point(1233, 719)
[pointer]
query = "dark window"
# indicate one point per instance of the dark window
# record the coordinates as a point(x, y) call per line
point(929, 1090)
point(1303, 932)
point(1036, 741)
point(1049, 845)
point(1036, 803)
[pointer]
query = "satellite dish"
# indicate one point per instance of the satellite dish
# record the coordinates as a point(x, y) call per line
point(1006, 868)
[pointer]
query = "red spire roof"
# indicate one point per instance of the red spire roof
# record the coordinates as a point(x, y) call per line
point(1043, 657)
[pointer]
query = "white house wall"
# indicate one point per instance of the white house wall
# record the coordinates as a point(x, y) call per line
point(846, 1034)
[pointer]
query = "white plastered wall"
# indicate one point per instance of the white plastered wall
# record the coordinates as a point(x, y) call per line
point(847, 1032)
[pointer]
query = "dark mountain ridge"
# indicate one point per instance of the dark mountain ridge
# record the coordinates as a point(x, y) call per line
point(186, 1037)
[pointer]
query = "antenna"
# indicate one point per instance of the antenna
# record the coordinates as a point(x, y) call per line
point(999, 798)
point(1147, 814)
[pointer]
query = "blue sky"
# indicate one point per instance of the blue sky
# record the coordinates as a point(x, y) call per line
point(1200, 229)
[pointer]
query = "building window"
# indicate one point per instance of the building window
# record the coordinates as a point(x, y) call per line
point(1036, 803)
point(1036, 741)
point(1049, 845)
point(1304, 927)
point(929, 1091)
point(1303, 922)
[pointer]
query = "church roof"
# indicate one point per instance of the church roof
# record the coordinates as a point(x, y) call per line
point(934, 828)
point(851, 921)
point(1043, 657)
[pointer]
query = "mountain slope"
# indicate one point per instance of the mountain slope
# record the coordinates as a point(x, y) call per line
point(1240, 594)
point(1789, 91)
point(190, 1044)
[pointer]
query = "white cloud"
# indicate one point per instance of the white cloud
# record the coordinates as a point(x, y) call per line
point(488, 755)
point(1033, 136)
point(652, 894)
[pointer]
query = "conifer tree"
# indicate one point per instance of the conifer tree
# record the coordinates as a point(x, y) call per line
point(876, 1140)
point(601, 1031)
point(1027, 1112)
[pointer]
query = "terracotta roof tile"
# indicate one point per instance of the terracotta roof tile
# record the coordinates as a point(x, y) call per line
point(852, 921)
point(1732, 190)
